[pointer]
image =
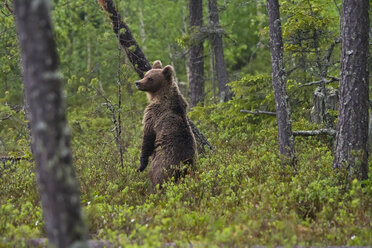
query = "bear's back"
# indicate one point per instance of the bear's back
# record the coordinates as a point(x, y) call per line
point(171, 127)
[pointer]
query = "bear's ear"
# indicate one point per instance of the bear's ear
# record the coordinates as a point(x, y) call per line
point(168, 72)
point(157, 65)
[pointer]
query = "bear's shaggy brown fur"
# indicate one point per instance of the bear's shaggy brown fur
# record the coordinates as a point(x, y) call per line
point(167, 135)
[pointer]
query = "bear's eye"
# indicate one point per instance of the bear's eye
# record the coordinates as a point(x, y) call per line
point(150, 79)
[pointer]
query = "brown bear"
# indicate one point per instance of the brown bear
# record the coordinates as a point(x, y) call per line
point(167, 135)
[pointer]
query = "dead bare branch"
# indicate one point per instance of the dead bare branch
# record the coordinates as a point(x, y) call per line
point(257, 112)
point(332, 79)
point(330, 132)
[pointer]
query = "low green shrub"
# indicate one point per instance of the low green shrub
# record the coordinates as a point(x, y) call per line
point(238, 195)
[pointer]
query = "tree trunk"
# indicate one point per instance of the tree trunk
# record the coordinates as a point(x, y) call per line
point(323, 103)
point(58, 186)
point(352, 130)
point(286, 140)
point(212, 66)
point(217, 44)
point(196, 60)
point(127, 41)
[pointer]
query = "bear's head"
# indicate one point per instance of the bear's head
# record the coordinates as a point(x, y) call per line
point(156, 79)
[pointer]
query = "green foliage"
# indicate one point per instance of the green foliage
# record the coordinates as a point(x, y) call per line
point(309, 29)
point(10, 75)
point(238, 195)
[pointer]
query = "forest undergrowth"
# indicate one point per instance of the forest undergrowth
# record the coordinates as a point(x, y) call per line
point(238, 195)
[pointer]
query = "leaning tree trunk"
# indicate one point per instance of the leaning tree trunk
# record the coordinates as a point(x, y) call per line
point(127, 41)
point(196, 59)
point(286, 141)
point(351, 150)
point(138, 60)
point(58, 186)
point(217, 44)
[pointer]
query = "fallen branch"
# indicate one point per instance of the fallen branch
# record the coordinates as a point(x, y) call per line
point(332, 79)
point(257, 112)
point(329, 132)
point(136, 56)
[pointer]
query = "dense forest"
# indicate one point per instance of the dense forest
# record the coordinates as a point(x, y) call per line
point(278, 101)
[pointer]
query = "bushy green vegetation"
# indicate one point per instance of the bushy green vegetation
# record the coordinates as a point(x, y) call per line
point(238, 195)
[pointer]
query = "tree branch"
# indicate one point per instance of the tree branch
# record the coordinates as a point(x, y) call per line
point(332, 79)
point(8, 7)
point(5, 118)
point(291, 70)
point(329, 132)
point(198, 135)
point(256, 112)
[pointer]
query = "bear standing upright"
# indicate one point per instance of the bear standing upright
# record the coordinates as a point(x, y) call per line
point(167, 135)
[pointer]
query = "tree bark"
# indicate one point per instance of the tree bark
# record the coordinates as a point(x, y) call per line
point(196, 60)
point(127, 41)
point(351, 150)
point(58, 186)
point(217, 45)
point(286, 140)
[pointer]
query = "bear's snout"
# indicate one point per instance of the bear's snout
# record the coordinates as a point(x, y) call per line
point(138, 84)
